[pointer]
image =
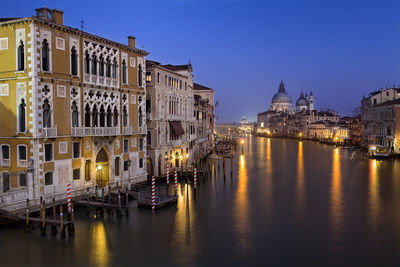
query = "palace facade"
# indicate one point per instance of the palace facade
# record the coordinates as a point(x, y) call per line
point(72, 108)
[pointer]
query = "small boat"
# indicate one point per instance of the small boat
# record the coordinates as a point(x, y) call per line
point(378, 151)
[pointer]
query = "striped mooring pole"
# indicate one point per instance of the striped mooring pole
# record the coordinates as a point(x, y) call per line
point(69, 197)
point(167, 173)
point(153, 193)
point(176, 181)
point(195, 178)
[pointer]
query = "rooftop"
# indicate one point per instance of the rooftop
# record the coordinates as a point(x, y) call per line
point(201, 87)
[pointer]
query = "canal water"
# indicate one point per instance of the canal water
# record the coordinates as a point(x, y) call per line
point(289, 203)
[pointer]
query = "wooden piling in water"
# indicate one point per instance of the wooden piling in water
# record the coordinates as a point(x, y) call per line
point(119, 213)
point(87, 198)
point(27, 227)
point(72, 218)
point(54, 227)
point(126, 202)
point(44, 217)
point(223, 162)
point(231, 166)
point(62, 222)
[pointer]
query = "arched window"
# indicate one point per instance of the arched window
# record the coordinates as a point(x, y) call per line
point(148, 138)
point(74, 61)
point(148, 104)
point(109, 117)
point(5, 176)
point(45, 55)
point(46, 113)
point(21, 56)
point(102, 116)
point(124, 71)
point(87, 62)
point(140, 78)
point(87, 116)
point(21, 116)
point(124, 117)
point(94, 116)
point(94, 65)
point(108, 67)
point(101, 66)
point(140, 117)
point(115, 114)
point(114, 73)
point(74, 115)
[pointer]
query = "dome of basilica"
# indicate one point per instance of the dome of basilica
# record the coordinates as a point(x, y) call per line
point(281, 97)
point(301, 101)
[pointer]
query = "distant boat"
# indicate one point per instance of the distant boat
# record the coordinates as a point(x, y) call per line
point(378, 151)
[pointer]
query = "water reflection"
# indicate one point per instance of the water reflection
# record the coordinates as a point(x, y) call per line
point(336, 194)
point(100, 250)
point(300, 179)
point(269, 169)
point(373, 186)
point(183, 217)
point(241, 212)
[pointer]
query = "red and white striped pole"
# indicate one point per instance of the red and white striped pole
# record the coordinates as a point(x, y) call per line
point(69, 197)
point(167, 174)
point(195, 178)
point(153, 193)
point(176, 181)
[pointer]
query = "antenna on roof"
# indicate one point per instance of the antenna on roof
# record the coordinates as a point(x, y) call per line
point(82, 22)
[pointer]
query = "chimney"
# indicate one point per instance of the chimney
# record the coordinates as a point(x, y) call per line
point(131, 41)
point(57, 16)
point(54, 15)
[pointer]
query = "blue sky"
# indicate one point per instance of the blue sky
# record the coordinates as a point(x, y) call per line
point(339, 50)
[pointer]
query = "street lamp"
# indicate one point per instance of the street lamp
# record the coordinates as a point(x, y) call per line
point(99, 171)
point(242, 141)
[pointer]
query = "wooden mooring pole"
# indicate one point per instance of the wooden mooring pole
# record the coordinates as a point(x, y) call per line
point(54, 227)
point(62, 234)
point(44, 217)
point(27, 228)
point(231, 166)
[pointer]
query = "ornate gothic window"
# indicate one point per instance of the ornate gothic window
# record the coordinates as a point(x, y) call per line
point(102, 116)
point(140, 78)
point(124, 72)
point(115, 114)
point(114, 73)
point(74, 116)
point(108, 67)
point(87, 116)
point(45, 55)
point(124, 117)
point(101, 66)
point(74, 61)
point(94, 116)
point(46, 113)
point(109, 117)
point(140, 117)
point(21, 56)
point(94, 65)
point(21, 116)
point(87, 62)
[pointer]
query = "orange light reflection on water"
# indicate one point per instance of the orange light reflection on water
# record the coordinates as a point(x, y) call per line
point(100, 252)
point(336, 194)
point(373, 188)
point(241, 204)
point(300, 191)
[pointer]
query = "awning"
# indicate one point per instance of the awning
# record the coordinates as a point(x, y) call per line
point(177, 127)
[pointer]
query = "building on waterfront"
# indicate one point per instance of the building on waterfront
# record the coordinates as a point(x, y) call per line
point(171, 120)
point(380, 124)
point(73, 109)
point(263, 121)
point(204, 104)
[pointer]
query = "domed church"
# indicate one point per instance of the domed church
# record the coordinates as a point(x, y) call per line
point(281, 101)
point(305, 102)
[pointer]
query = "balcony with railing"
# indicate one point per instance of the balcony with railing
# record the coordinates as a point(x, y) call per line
point(5, 162)
point(143, 129)
point(22, 163)
point(175, 142)
point(127, 130)
point(94, 131)
point(174, 117)
point(49, 132)
point(100, 80)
